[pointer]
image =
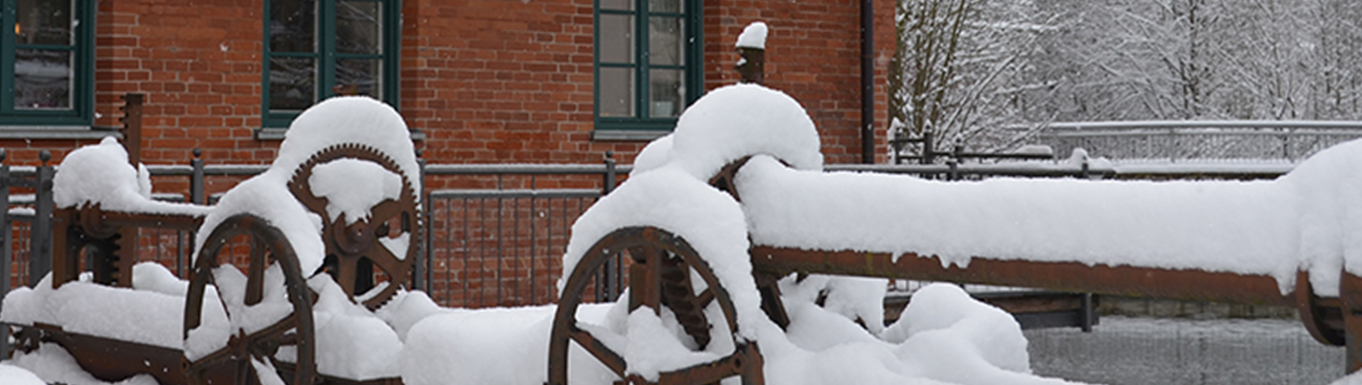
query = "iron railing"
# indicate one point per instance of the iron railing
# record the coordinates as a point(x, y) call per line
point(508, 223)
point(1187, 140)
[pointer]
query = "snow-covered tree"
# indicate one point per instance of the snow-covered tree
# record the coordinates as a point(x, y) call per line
point(983, 71)
point(958, 64)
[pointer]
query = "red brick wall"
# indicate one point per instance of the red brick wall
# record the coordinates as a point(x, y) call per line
point(813, 54)
point(198, 64)
point(502, 81)
point(487, 81)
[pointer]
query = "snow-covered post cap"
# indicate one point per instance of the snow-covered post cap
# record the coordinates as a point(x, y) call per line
point(752, 46)
point(753, 36)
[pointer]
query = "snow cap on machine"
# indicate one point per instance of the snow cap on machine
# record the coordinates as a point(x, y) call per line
point(349, 119)
point(740, 120)
point(99, 174)
point(335, 121)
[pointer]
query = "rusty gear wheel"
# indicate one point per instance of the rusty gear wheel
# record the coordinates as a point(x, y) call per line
point(354, 249)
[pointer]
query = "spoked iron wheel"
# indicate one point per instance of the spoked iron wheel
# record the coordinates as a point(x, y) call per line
point(355, 247)
point(253, 355)
point(662, 273)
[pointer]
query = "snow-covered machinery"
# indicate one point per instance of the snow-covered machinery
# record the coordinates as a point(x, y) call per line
point(732, 206)
point(305, 215)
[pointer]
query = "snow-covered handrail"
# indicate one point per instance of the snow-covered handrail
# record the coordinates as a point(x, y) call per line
point(1060, 127)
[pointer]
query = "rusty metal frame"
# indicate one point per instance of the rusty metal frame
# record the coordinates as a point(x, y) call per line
point(651, 285)
point(260, 344)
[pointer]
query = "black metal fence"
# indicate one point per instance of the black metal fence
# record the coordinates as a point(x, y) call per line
point(1186, 140)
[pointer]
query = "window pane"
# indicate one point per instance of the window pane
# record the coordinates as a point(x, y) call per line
point(667, 6)
point(293, 25)
point(292, 83)
point(617, 92)
point(357, 27)
point(625, 5)
point(42, 79)
point(617, 39)
point(666, 94)
point(666, 41)
point(358, 77)
point(43, 22)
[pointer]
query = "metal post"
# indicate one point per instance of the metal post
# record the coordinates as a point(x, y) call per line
point(867, 81)
point(1089, 316)
point(752, 67)
point(6, 256)
point(418, 267)
point(40, 259)
point(609, 173)
point(196, 179)
point(609, 277)
point(928, 148)
point(132, 126)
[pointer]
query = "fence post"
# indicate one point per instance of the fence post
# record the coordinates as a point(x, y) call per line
point(420, 267)
point(610, 274)
point(1089, 316)
point(6, 256)
point(196, 179)
point(40, 259)
point(609, 183)
point(928, 148)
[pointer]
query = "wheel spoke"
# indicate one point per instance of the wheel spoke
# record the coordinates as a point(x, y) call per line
point(704, 298)
point(597, 349)
point(645, 278)
point(387, 209)
point(255, 274)
point(397, 270)
point(347, 269)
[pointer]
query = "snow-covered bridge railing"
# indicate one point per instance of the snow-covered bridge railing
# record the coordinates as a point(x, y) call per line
point(1196, 139)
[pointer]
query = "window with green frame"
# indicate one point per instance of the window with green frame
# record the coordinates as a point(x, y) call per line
point(318, 49)
point(47, 54)
point(648, 63)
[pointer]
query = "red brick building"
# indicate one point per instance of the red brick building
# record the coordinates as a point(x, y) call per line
point(531, 81)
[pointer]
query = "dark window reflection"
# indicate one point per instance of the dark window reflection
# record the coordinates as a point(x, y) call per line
point(666, 40)
point(358, 77)
point(293, 26)
point(43, 22)
point(617, 39)
point(665, 6)
point(617, 92)
point(357, 27)
point(666, 93)
point(292, 83)
point(42, 79)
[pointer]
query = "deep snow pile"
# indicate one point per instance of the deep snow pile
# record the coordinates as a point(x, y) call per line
point(98, 310)
point(14, 375)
